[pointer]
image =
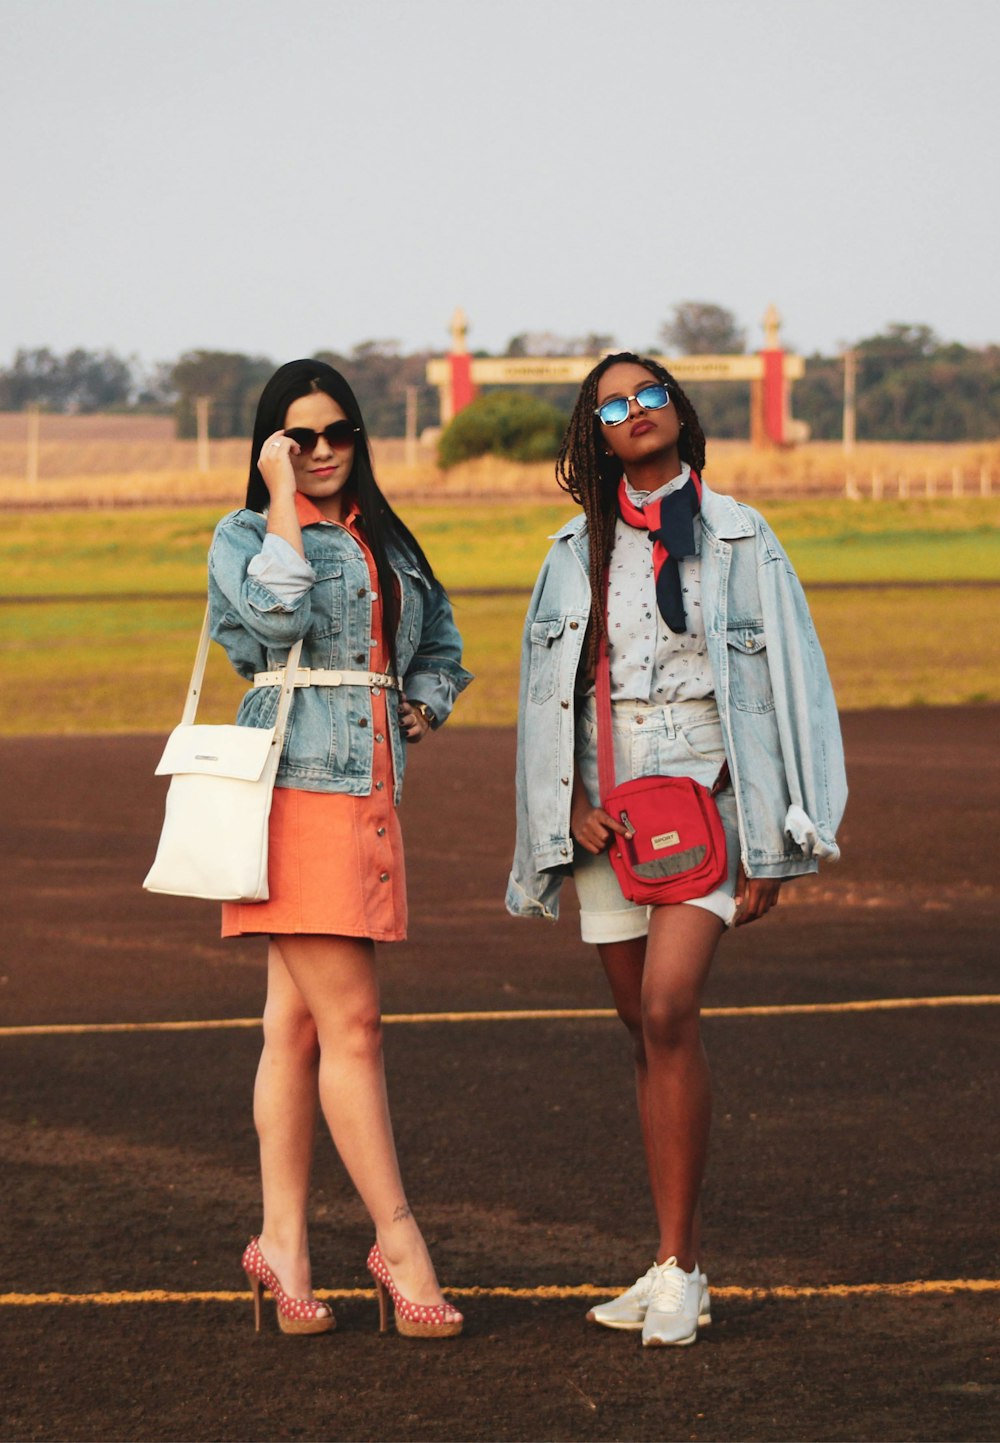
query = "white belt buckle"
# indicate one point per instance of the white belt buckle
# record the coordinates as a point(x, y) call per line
point(302, 676)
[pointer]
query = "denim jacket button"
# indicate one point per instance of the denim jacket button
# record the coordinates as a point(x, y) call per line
point(362, 591)
point(564, 705)
point(362, 721)
point(574, 626)
point(565, 781)
point(359, 656)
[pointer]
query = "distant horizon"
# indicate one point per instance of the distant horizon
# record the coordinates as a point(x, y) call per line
point(346, 349)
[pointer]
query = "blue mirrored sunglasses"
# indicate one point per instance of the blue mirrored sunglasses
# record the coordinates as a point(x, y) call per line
point(649, 398)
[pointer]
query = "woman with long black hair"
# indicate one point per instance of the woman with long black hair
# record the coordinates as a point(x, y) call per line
point(689, 601)
point(318, 554)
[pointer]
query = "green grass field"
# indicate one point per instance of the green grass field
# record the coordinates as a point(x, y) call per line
point(123, 666)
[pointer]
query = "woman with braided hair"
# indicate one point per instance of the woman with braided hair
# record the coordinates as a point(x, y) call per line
point(688, 599)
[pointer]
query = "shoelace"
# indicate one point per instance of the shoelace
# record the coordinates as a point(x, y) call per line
point(644, 1287)
point(668, 1293)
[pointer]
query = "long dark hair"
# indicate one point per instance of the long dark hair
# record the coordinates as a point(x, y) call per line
point(591, 478)
point(383, 529)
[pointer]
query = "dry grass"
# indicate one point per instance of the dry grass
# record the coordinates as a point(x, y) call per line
point(118, 460)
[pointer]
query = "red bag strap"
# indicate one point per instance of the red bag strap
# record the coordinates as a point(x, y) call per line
point(605, 736)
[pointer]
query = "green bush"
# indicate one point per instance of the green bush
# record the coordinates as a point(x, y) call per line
point(503, 423)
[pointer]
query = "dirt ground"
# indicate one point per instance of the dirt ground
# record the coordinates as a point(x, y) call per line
point(850, 1147)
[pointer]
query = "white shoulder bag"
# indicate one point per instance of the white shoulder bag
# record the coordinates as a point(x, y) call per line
point(214, 838)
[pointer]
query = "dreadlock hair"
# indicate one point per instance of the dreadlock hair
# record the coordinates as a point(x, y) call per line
point(591, 477)
point(383, 529)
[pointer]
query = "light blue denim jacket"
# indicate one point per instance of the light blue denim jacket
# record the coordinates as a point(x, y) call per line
point(329, 744)
point(779, 718)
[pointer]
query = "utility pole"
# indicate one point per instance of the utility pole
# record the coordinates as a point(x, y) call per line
point(201, 409)
point(31, 472)
point(850, 392)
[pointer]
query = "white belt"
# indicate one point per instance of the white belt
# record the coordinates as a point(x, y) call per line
point(317, 676)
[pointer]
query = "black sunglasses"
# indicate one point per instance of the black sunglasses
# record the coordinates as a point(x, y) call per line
point(338, 434)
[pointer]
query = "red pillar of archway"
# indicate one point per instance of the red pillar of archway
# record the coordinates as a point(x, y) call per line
point(774, 404)
point(769, 395)
point(461, 388)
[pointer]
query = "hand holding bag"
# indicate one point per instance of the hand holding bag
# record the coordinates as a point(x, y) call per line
point(214, 838)
point(676, 844)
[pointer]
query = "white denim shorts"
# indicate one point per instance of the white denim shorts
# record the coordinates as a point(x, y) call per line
point(683, 739)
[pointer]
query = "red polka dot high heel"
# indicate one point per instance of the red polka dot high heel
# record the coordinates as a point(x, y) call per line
point(413, 1320)
point(295, 1315)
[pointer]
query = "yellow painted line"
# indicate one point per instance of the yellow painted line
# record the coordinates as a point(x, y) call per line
point(917, 1288)
point(67, 1029)
point(875, 1004)
point(553, 1014)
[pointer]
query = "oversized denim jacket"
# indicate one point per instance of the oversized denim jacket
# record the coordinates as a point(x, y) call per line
point(328, 747)
point(779, 719)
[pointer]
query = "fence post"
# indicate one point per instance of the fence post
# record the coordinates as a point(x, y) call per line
point(985, 481)
point(904, 486)
point(411, 426)
point(201, 405)
point(851, 491)
point(876, 485)
point(956, 481)
point(31, 468)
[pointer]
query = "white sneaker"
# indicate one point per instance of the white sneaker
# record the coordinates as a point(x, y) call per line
point(673, 1307)
point(628, 1310)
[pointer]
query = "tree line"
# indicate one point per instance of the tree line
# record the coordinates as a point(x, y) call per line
point(911, 385)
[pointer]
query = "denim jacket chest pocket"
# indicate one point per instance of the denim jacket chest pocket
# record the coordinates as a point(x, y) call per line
point(749, 675)
point(328, 595)
point(543, 673)
point(411, 609)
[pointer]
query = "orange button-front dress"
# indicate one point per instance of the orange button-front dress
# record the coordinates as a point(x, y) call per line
point(335, 862)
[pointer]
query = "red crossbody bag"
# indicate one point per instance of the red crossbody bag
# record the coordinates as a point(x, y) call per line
point(676, 844)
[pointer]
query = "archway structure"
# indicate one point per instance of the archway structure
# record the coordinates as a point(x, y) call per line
point(770, 372)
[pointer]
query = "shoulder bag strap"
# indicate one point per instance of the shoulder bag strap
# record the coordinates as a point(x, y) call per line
point(602, 692)
point(198, 676)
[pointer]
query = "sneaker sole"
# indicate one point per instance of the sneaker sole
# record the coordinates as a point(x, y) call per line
point(670, 1342)
point(618, 1327)
point(704, 1321)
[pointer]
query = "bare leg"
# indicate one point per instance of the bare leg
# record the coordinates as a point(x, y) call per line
point(623, 963)
point(679, 951)
point(625, 966)
point(285, 1107)
point(336, 978)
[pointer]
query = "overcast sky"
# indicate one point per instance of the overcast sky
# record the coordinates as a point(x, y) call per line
point(279, 178)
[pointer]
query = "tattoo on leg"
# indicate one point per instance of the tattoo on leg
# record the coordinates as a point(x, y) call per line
point(402, 1213)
